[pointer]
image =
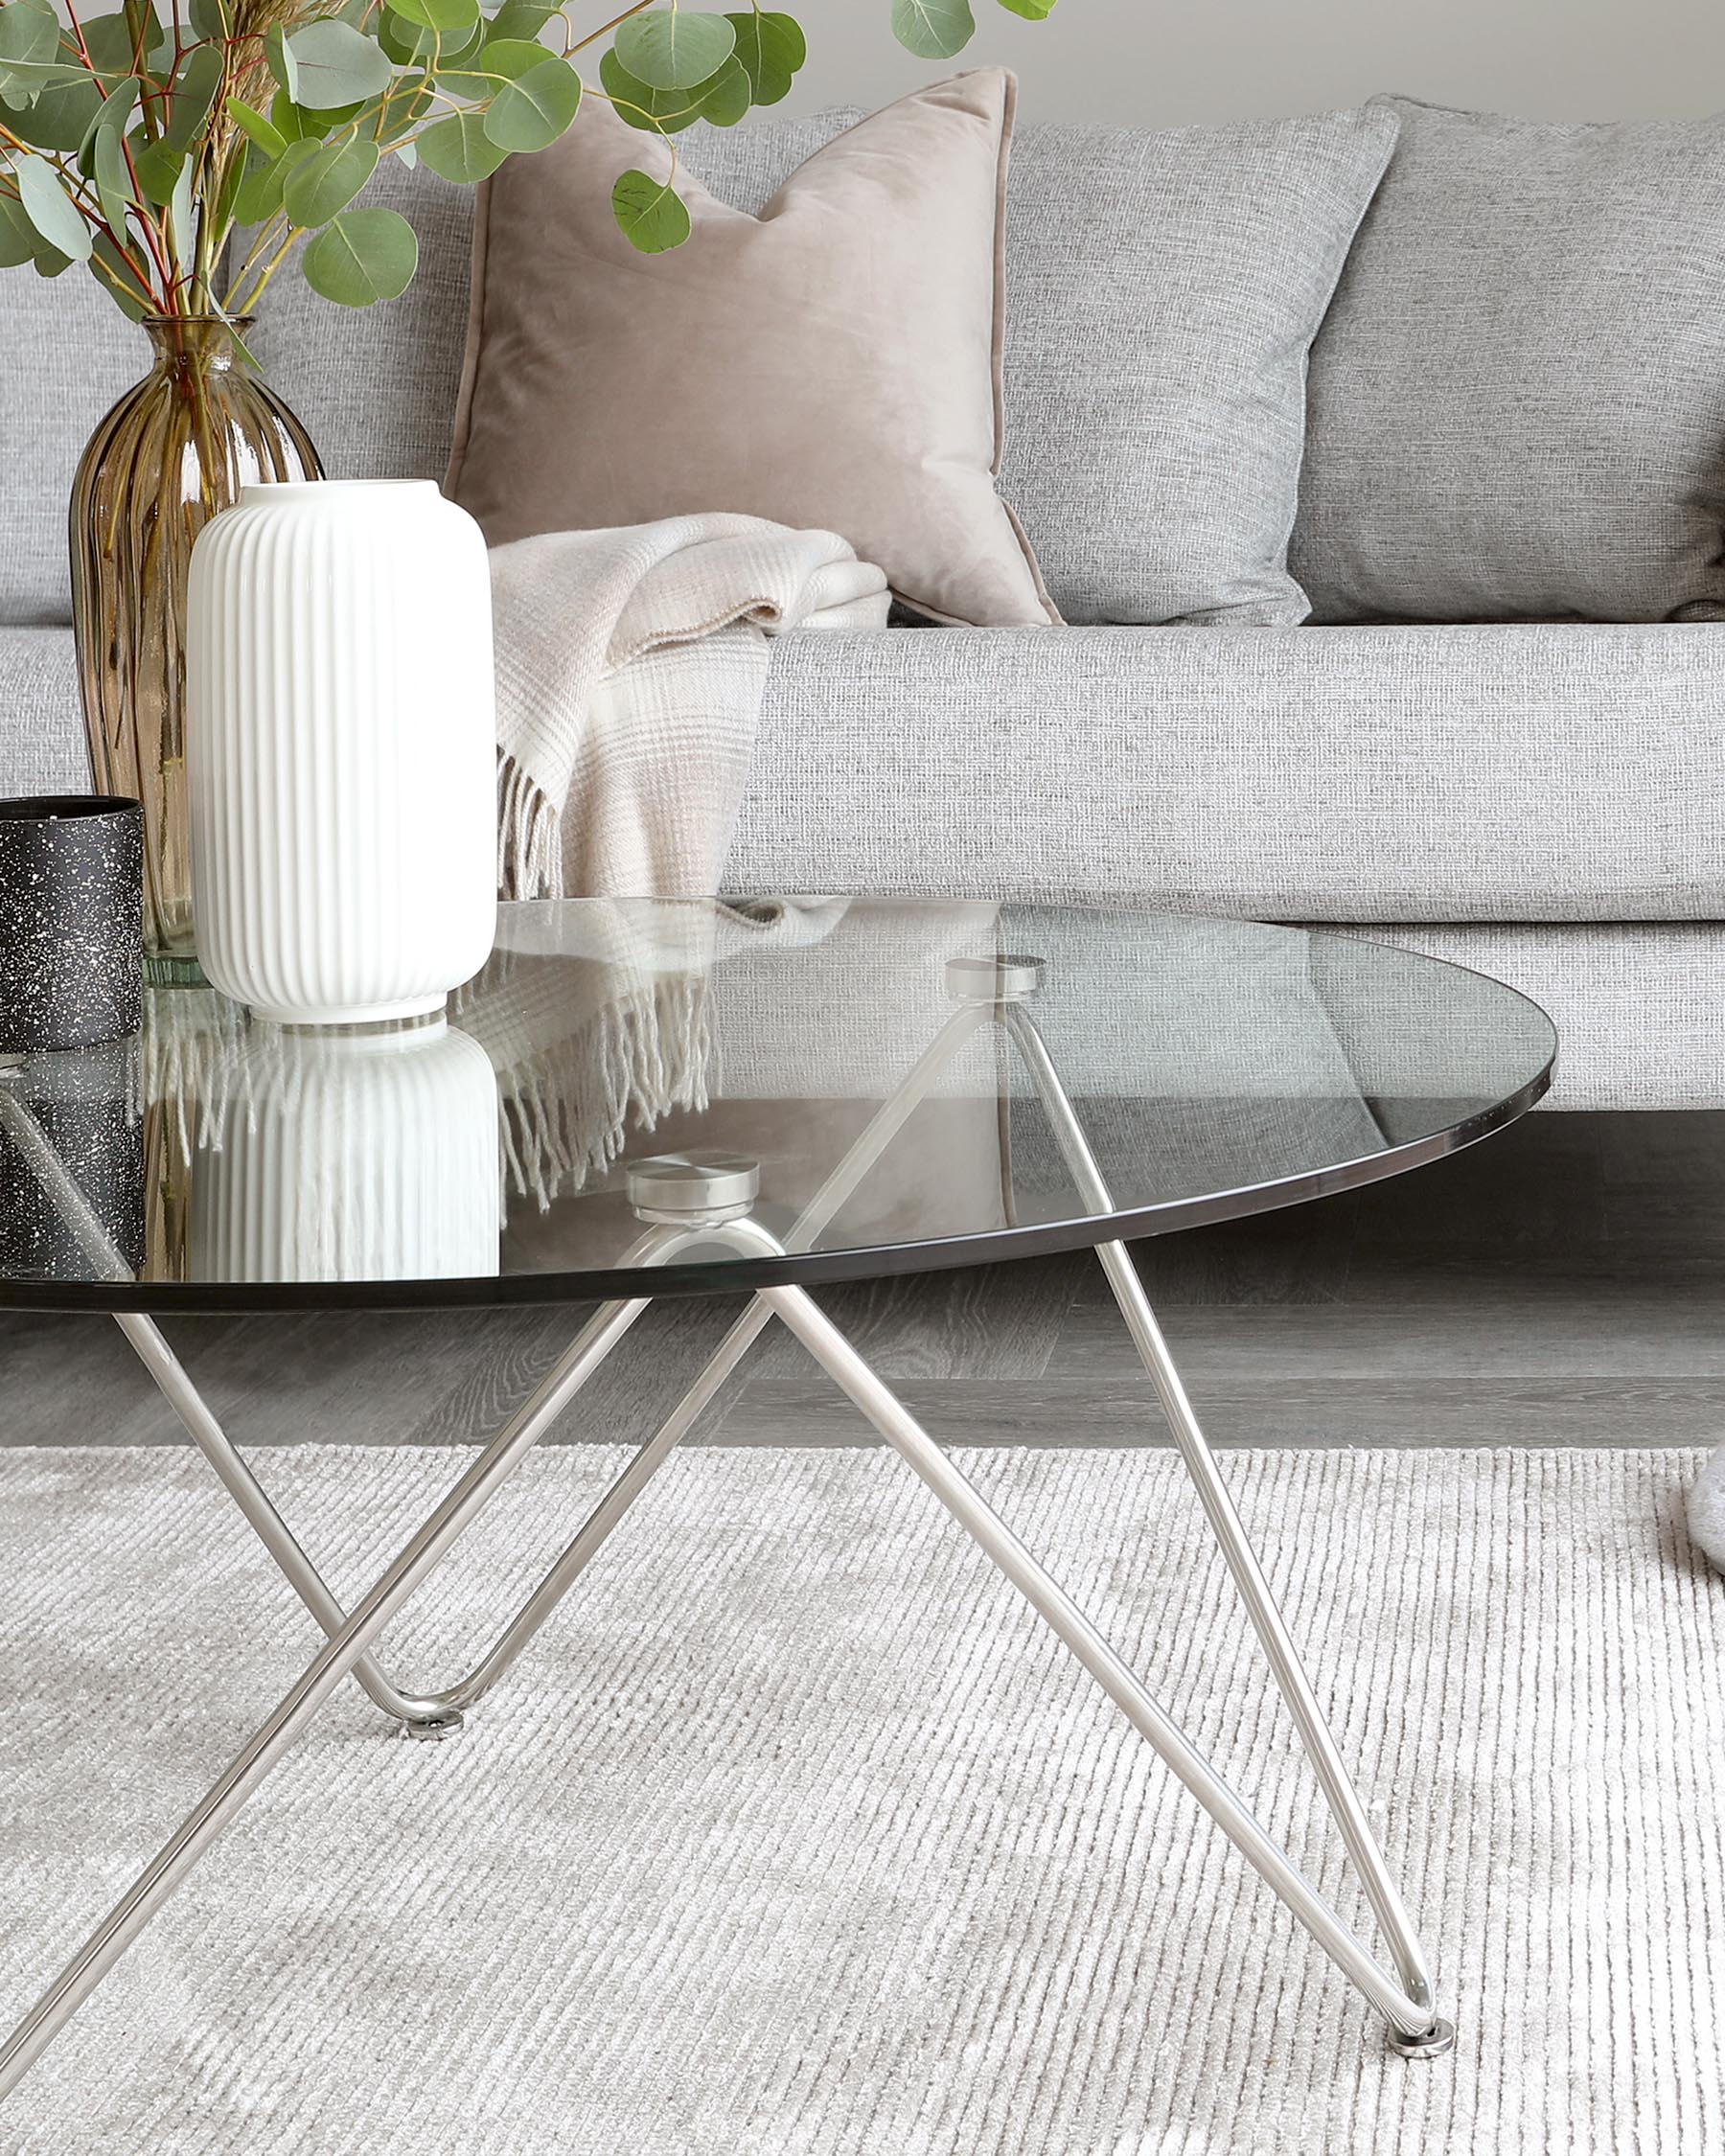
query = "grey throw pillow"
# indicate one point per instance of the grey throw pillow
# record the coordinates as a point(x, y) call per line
point(1162, 291)
point(1517, 405)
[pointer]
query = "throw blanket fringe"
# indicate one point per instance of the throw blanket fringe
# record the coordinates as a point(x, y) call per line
point(567, 1116)
point(529, 835)
point(599, 1022)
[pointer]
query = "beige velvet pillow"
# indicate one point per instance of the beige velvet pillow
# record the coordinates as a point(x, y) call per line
point(834, 363)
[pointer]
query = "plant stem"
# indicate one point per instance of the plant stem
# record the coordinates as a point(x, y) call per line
point(581, 43)
point(245, 303)
point(266, 238)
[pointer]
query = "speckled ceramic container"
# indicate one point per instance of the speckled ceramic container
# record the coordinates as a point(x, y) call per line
point(72, 1164)
point(71, 921)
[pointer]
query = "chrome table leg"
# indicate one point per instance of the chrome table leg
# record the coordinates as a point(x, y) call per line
point(216, 1812)
point(419, 1717)
point(1414, 2027)
point(1428, 2036)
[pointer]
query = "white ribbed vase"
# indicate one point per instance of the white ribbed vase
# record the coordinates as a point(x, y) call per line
point(349, 1157)
point(341, 749)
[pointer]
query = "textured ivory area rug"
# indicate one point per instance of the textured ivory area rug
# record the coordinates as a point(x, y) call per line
point(795, 1836)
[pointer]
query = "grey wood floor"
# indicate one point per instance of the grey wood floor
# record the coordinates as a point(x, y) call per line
point(1562, 1284)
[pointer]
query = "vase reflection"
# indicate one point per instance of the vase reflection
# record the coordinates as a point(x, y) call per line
point(347, 1156)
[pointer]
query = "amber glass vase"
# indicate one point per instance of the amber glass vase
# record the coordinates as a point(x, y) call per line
point(172, 452)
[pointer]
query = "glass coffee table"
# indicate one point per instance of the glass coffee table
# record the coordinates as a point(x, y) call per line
point(647, 1098)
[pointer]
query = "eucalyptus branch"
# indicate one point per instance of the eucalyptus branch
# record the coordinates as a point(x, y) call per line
point(290, 68)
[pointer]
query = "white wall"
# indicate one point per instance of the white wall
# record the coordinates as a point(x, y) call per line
point(1150, 60)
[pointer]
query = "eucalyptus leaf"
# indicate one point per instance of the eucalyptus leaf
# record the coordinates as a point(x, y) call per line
point(28, 32)
point(50, 207)
point(639, 105)
point(294, 126)
point(336, 64)
point(437, 15)
point(210, 19)
point(22, 80)
point(282, 63)
point(260, 192)
point(259, 195)
point(933, 29)
point(771, 48)
point(365, 255)
point(521, 18)
point(113, 182)
point(111, 113)
point(499, 60)
point(238, 342)
point(670, 49)
point(458, 149)
point(650, 216)
point(182, 218)
point(408, 153)
point(253, 125)
point(51, 262)
point(158, 166)
point(60, 116)
point(19, 239)
point(112, 41)
point(727, 96)
point(325, 183)
point(192, 93)
point(531, 113)
point(409, 45)
point(1032, 11)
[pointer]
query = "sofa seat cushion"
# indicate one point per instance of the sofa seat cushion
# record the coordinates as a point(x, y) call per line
point(1546, 773)
point(1639, 1007)
point(1536, 773)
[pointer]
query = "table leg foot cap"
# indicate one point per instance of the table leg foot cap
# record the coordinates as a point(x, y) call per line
point(1430, 2043)
point(432, 1729)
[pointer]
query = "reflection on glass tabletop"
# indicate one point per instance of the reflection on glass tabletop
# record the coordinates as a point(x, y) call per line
point(877, 1086)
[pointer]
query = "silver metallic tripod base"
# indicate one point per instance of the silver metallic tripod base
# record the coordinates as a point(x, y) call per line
point(702, 1199)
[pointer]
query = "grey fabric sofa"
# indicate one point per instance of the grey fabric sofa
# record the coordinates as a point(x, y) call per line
point(1545, 801)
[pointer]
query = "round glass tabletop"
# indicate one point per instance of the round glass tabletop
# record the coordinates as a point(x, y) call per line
point(677, 1096)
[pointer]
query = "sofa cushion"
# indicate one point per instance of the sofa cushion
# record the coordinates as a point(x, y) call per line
point(1639, 1007)
point(1163, 293)
point(831, 364)
point(1154, 360)
point(1517, 403)
point(377, 387)
point(68, 355)
point(1541, 772)
point(1545, 772)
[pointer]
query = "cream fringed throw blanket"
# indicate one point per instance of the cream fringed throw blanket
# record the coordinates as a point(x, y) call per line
point(631, 665)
